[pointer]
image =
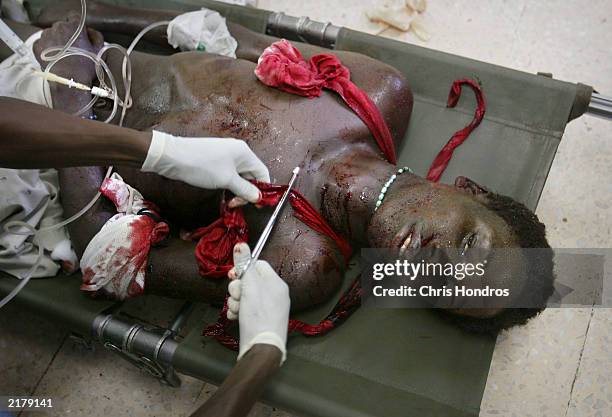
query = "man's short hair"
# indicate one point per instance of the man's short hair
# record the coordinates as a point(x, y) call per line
point(530, 233)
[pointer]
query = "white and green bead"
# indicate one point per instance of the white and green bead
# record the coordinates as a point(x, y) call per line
point(385, 187)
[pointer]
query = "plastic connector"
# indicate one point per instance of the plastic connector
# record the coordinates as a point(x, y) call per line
point(100, 92)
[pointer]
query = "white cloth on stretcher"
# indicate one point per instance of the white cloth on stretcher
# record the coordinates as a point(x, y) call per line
point(202, 30)
point(31, 196)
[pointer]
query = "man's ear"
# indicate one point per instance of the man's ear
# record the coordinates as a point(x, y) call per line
point(467, 185)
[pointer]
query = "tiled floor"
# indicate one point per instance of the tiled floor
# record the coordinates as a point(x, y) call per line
point(558, 365)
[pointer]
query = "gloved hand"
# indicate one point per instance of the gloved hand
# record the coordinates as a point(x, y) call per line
point(207, 163)
point(260, 301)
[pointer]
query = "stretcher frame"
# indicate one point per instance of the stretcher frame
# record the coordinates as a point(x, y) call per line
point(424, 366)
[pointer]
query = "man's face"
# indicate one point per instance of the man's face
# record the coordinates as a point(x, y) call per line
point(421, 214)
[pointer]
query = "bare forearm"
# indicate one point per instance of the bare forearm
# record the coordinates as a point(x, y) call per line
point(32, 136)
point(173, 272)
point(243, 386)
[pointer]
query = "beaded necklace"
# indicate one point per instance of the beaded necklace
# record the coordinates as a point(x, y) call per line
point(390, 181)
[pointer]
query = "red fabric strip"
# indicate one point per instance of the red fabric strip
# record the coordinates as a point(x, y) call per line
point(216, 241)
point(444, 156)
point(219, 330)
point(305, 212)
point(348, 303)
point(282, 66)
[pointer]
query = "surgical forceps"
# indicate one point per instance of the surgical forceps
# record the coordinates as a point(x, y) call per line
point(243, 268)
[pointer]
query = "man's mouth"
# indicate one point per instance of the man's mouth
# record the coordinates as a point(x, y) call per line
point(410, 238)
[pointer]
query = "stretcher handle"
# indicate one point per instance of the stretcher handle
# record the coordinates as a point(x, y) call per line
point(600, 106)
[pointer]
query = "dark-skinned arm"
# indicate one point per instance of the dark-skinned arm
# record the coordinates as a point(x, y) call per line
point(244, 385)
point(33, 136)
point(259, 298)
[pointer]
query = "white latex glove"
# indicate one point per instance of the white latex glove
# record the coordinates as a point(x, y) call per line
point(207, 163)
point(260, 301)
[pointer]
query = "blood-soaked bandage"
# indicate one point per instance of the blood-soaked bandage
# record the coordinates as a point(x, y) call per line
point(115, 260)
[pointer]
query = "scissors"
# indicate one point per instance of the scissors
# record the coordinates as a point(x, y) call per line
point(241, 269)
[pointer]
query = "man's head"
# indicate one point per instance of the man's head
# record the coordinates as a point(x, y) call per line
point(465, 216)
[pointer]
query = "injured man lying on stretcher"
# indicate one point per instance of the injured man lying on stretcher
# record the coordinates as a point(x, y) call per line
point(207, 95)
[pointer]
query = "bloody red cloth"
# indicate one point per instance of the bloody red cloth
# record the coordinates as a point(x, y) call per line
point(282, 66)
point(214, 256)
point(216, 241)
point(444, 156)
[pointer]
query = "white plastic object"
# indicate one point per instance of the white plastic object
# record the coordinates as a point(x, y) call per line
point(13, 41)
point(398, 17)
point(49, 76)
point(100, 92)
point(202, 30)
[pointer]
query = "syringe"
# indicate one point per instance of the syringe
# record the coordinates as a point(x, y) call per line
point(16, 44)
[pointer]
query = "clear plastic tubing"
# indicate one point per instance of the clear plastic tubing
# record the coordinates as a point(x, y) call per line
point(54, 55)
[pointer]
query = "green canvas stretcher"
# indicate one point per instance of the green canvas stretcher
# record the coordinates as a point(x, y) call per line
point(381, 362)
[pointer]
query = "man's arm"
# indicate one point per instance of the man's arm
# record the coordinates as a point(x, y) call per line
point(243, 386)
point(33, 136)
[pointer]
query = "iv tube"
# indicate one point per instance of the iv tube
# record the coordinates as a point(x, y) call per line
point(103, 72)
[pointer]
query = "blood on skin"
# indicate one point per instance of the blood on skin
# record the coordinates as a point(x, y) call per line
point(114, 191)
point(215, 241)
point(347, 200)
point(68, 266)
point(88, 274)
point(128, 262)
point(282, 66)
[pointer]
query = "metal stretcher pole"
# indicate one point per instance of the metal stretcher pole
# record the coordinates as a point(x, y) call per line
point(302, 29)
point(600, 106)
point(149, 348)
point(310, 31)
